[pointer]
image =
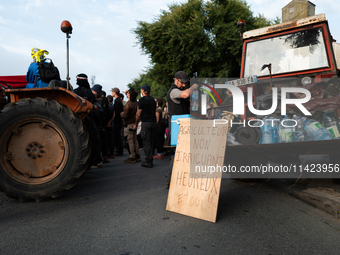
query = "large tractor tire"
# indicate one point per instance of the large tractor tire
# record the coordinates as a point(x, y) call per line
point(43, 149)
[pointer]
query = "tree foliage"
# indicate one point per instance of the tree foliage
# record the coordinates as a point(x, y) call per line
point(195, 36)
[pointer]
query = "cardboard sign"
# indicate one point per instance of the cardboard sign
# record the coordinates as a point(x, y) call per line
point(195, 182)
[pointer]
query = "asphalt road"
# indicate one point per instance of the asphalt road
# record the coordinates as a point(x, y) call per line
point(120, 209)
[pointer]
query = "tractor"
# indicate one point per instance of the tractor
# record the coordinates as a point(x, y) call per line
point(294, 54)
point(45, 144)
point(46, 136)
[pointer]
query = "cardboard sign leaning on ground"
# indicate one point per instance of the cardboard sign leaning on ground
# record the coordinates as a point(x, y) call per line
point(194, 191)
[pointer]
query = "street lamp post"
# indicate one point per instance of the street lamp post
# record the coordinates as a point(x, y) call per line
point(66, 27)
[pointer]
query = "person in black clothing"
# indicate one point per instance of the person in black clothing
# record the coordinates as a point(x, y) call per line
point(178, 96)
point(147, 114)
point(160, 131)
point(102, 105)
point(117, 122)
point(109, 129)
point(178, 104)
point(84, 89)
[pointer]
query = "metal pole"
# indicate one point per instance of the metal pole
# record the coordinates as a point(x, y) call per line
point(67, 62)
point(66, 27)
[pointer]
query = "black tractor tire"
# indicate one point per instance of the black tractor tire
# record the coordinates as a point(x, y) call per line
point(94, 143)
point(43, 149)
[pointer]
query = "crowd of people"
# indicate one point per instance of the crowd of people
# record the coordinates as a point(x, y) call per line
point(132, 125)
point(117, 125)
point(113, 124)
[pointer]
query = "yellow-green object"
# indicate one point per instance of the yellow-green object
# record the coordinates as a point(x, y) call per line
point(38, 54)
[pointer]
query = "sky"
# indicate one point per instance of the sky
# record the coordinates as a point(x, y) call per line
point(102, 43)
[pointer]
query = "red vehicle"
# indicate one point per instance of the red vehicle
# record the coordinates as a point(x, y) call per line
point(293, 54)
point(13, 81)
point(296, 54)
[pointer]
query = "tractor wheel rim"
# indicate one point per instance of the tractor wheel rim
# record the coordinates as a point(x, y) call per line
point(36, 151)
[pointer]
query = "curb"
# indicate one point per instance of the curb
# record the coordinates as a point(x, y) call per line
point(323, 203)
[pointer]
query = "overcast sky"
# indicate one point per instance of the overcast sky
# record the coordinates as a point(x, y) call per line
point(102, 43)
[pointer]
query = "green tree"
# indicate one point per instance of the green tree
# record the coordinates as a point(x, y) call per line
point(195, 36)
point(157, 90)
point(261, 21)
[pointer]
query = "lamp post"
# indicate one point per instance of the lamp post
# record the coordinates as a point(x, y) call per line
point(66, 27)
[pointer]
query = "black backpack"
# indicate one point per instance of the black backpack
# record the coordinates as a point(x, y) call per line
point(48, 71)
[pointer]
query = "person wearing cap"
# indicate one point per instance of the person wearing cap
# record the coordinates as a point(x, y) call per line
point(147, 114)
point(117, 122)
point(178, 103)
point(97, 90)
point(129, 116)
point(178, 96)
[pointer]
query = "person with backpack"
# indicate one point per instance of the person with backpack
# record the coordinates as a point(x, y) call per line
point(129, 116)
point(40, 72)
